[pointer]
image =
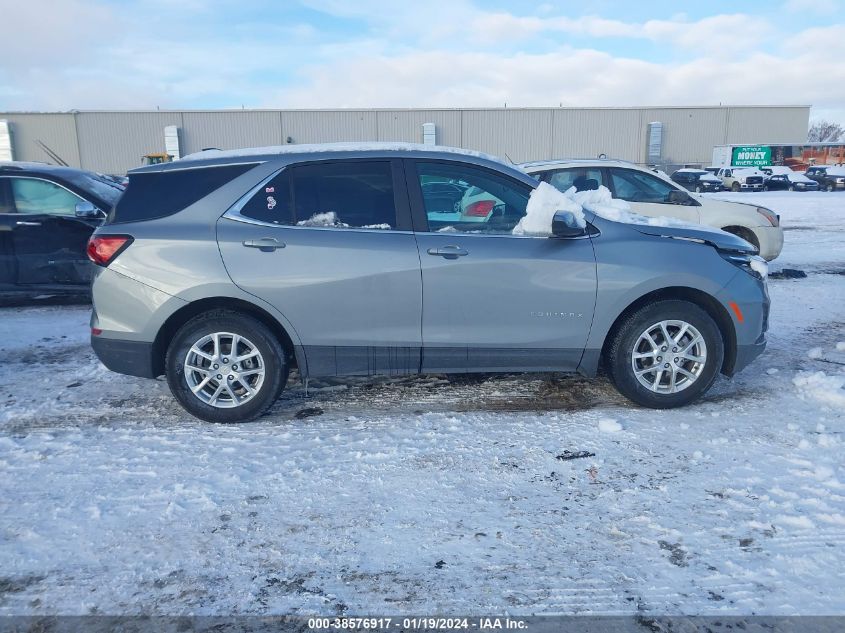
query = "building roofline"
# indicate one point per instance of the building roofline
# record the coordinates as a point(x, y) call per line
point(414, 109)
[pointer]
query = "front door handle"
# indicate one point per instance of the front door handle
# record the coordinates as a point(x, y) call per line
point(22, 223)
point(265, 244)
point(449, 252)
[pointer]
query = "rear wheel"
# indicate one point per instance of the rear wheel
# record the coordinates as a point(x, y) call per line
point(665, 355)
point(225, 367)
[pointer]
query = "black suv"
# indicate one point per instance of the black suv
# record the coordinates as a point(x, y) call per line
point(47, 214)
point(829, 178)
point(697, 180)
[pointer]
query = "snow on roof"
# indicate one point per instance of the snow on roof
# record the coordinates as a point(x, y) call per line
point(314, 148)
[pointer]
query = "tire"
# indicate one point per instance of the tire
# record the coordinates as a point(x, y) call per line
point(254, 339)
point(628, 339)
point(736, 188)
point(791, 188)
point(765, 188)
point(828, 187)
point(697, 189)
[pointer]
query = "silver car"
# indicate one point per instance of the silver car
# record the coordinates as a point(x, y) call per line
point(226, 269)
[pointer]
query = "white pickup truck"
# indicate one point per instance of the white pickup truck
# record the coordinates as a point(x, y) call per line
point(741, 178)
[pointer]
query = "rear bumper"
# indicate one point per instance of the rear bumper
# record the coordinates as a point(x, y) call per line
point(134, 358)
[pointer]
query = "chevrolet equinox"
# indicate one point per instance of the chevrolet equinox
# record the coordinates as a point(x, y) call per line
point(224, 270)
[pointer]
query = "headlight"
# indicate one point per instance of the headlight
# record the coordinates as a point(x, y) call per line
point(771, 217)
point(840, 180)
point(754, 265)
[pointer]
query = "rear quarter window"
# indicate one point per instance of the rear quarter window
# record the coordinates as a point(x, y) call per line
point(151, 195)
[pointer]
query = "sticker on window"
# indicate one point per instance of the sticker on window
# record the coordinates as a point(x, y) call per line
point(271, 202)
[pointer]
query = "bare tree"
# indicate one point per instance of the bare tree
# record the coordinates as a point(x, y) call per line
point(822, 131)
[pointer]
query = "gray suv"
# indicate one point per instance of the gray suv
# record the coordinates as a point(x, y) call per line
point(226, 269)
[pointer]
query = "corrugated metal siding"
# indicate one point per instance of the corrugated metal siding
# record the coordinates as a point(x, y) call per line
point(766, 125)
point(112, 142)
point(689, 134)
point(57, 131)
point(229, 130)
point(588, 133)
point(517, 134)
point(406, 125)
point(327, 126)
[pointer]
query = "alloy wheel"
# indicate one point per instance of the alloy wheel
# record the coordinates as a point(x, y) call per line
point(669, 356)
point(224, 370)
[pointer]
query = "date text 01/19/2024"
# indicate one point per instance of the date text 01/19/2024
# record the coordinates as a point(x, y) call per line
point(416, 623)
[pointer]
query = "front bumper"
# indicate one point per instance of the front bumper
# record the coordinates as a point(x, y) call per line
point(770, 239)
point(134, 358)
point(747, 353)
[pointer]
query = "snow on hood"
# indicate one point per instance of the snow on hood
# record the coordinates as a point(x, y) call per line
point(545, 201)
point(796, 177)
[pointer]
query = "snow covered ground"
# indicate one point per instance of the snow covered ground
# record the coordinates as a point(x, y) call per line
point(423, 496)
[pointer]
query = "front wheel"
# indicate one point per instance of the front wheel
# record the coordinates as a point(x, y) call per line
point(665, 355)
point(697, 189)
point(225, 366)
point(736, 187)
point(829, 187)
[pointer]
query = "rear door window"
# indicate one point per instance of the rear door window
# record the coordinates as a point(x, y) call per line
point(272, 202)
point(347, 195)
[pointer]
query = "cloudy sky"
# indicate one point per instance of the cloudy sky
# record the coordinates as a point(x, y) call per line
point(90, 54)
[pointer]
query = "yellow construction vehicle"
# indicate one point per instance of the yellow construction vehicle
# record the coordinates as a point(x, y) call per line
point(156, 159)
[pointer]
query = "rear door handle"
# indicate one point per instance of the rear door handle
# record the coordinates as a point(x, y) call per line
point(448, 252)
point(22, 223)
point(265, 244)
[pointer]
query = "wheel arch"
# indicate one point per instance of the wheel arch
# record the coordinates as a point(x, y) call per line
point(705, 301)
point(744, 232)
point(293, 353)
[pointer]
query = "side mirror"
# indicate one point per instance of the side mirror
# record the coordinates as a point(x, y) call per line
point(87, 210)
point(565, 225)
point(678, 197)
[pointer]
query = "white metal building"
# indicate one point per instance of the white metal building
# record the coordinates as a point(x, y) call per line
point(115, 141)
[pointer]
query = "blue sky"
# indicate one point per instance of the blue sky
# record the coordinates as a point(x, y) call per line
point(89, 54)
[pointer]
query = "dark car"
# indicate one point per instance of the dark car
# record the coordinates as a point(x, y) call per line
point(790, 182)
point(830, 178)
point(697, 180)
point(47, 214)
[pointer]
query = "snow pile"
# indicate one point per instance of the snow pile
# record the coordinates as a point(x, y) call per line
point(760, 266)
point(601, 202)
point(609, 425)
point(819, 386)
point(544, 202)
point(329, 218)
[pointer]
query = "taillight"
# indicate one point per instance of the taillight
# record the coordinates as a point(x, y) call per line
point(102, 249)
point(481, 208)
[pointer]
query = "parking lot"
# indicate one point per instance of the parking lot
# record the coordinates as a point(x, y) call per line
point(533, 494)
